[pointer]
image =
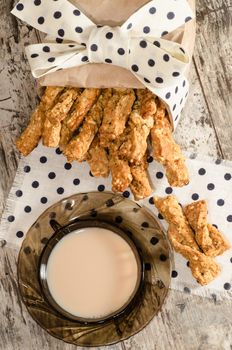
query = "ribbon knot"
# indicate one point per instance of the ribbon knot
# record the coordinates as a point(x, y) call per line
point(108, 45)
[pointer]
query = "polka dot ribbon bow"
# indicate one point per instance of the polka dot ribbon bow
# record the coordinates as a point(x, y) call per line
point(137, 45)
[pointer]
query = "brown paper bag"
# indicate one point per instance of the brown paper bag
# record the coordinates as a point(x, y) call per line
point(113, 13)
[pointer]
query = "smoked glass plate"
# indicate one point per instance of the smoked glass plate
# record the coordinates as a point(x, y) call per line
point(142, 228)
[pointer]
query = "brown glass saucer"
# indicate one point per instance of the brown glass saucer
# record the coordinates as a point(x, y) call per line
point(139, 225)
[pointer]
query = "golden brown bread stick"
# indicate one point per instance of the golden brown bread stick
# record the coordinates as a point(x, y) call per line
point(162, 129)
point(65, 136)
point(54, 117)
point(116, 115)
point(120, 169)
point(135, 145)
point(63, 105)
point(65, 133)
point(170, 209)
point(50, 96)
point(121, 174)
point(166, 151)
point(207, 236)
point(79, 145)
point(29, 139)
point(81, 108)
point(204, 268)
point(219, 242)
point(97, 159)
point(148, 103)
point(177, 173)
point(140, 185)
point(51, 133)
point(140, 124)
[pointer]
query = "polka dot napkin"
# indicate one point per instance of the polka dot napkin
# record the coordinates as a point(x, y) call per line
point(44, 178)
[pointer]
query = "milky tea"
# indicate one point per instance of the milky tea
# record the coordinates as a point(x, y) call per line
point(92, 272)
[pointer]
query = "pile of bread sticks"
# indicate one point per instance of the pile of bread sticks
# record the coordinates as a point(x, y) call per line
point(110, 129)
point(192, 236)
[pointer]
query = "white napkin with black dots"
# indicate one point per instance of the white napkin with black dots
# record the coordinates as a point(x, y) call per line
point(43, 180)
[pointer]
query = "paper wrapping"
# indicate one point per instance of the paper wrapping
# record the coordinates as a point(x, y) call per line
point(113, 13)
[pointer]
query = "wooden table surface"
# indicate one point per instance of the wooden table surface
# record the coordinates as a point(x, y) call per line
point(186, 321)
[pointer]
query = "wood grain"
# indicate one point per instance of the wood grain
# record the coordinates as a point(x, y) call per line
point(213, 62)
point(195, 132)
point(186, 322)
point(17, 90)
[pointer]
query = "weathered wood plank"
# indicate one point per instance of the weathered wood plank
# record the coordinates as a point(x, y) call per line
point(195, 132)
point(17, 90)
point(213, 60)
point(187, 322)
point(9, 164)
